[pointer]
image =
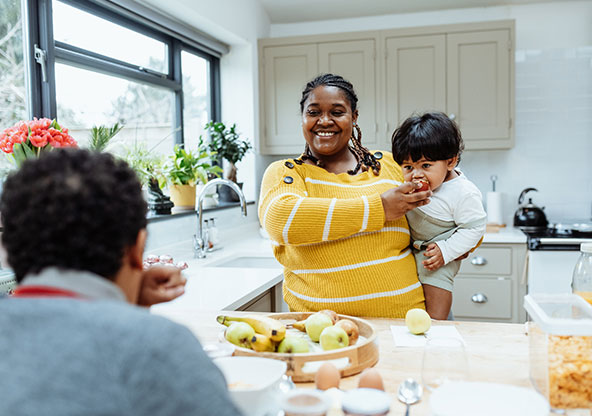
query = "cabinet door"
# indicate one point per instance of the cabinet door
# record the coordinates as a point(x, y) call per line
point(286, 70)
point(356, 62)
point(415, 77)
point(479, 87)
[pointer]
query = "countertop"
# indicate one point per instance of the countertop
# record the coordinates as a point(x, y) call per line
point(496, 353)
point(508, 235)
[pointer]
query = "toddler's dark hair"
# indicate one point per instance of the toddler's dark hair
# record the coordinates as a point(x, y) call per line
point(430, 135)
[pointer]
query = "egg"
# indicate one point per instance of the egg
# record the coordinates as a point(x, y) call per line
point(327, 376)
point(371, 379)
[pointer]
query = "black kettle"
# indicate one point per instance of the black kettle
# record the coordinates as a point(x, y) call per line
point(529, 217)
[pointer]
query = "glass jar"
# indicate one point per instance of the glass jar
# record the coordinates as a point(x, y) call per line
point(582, 274)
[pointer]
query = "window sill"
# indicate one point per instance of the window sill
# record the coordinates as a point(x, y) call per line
point(222, 205)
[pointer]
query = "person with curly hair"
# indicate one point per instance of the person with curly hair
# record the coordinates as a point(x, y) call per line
point(336, 214)
point(72, 343)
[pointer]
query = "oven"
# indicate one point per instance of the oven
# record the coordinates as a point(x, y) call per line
point(553, 253)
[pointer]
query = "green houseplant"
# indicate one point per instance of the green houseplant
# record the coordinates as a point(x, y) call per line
point(228, 145)
point(184, 169)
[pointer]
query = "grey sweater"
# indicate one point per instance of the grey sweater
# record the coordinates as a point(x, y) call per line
point(64, 356)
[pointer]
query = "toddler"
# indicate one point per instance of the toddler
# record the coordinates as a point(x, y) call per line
point(428, 148)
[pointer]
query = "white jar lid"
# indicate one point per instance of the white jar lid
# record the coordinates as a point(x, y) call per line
point(366, 402)
point(304, 402)
point(586, 247)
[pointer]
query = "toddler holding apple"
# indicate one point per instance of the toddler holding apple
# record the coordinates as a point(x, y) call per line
point(428, 148)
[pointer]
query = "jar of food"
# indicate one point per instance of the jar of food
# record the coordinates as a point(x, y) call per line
point(582, 274)
point(301, 402)
point(560, 348)
point(366, 402)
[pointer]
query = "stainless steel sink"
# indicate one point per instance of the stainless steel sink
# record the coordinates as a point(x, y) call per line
point(249, 262)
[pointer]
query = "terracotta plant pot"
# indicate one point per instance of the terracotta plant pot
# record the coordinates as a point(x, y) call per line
point(183, 196)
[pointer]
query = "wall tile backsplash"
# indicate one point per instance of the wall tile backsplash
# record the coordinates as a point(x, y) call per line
point(553, 149)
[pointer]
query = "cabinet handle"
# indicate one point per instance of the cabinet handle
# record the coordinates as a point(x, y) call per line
point(451, 116)
point(479, 298)
point(479, 261)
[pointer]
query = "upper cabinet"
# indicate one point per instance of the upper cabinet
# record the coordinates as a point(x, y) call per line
point(464, 70)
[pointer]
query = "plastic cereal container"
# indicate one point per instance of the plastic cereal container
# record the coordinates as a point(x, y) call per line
point(560, 348)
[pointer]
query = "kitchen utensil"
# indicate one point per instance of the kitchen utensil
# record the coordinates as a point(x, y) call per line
point(410, 392)
point(444, 360)
point(529, 217)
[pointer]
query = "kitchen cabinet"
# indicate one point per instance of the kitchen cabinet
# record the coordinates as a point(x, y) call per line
point(465, 70)
point(490, 285)
point(269, 301)
point(466, 74)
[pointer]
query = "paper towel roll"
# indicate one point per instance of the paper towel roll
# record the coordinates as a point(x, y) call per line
point(494, 208)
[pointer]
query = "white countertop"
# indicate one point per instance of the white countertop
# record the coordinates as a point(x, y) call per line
point(508, 235)
point(211, 287)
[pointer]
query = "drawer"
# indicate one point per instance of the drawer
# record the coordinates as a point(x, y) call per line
point(482, 298)
point(488, 261)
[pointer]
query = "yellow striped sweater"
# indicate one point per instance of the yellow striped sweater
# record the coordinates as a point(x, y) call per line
point(329, 233)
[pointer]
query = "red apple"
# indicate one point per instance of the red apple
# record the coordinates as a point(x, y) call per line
point(425, 185)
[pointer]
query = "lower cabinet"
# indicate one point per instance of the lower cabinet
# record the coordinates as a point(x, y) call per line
point(269, 301)
point(490, 286)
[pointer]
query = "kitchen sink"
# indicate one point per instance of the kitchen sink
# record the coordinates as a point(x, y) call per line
point(249, 262)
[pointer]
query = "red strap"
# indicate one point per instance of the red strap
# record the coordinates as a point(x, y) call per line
point(43, 292)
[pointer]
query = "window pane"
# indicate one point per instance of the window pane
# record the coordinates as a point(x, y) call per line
point(86, 98)
point(12, 70)
point(84, 30)
point(196, 96)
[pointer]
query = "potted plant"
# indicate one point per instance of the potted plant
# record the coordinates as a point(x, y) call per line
point(184, 170)
point(228, 145)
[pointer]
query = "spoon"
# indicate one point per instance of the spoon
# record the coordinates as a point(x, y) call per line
point(410, 392)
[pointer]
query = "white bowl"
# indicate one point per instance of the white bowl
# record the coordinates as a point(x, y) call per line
point(252, 381)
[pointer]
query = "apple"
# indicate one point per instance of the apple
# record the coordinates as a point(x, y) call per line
point(331, 314)
point(418, 321)
point(315, 324)
point(424, 185)
point(240, 334)
point(350, 328)
point(333, 337)
point(293, 345)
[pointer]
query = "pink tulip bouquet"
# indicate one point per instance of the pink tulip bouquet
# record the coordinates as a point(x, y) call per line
point(27, 139)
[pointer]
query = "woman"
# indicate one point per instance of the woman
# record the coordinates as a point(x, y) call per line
point(336, 215)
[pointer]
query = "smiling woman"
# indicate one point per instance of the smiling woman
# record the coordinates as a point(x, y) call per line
point(336, 214)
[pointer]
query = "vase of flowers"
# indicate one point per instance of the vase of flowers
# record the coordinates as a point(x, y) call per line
point(28, 139)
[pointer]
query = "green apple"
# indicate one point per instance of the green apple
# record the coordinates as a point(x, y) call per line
point(315, 324)
point(293, 345)
point(418, 321)
point(333, 337)
point(240, 334)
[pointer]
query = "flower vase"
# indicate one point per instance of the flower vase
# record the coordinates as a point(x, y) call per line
point(183, 196)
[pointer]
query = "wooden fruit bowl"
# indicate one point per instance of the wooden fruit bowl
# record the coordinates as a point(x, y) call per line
point(349, 360)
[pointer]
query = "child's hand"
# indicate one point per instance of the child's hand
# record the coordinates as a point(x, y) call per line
point(435, 260)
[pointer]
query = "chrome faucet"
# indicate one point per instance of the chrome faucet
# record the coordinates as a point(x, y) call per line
point(200, 239)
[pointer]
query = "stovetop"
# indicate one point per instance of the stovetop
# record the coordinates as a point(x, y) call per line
point(565, 236)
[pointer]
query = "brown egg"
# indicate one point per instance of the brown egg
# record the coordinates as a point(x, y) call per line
point(371, 379)
point(327, 376)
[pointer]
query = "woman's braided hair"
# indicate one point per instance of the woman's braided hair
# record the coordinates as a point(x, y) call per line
point(366, 160)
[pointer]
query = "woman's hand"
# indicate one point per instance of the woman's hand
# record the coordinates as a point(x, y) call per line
point(397, 201)
point(161, 283)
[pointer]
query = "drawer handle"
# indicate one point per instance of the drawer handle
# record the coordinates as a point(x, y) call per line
point(479, 298)
point(479, 261)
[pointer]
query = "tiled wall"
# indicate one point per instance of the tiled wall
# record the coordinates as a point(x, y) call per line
point(553, 150)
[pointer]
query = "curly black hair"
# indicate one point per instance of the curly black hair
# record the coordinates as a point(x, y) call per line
point(72, 209)
point(431, 135)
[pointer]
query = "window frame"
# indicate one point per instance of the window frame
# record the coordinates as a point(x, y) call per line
point(38, 28)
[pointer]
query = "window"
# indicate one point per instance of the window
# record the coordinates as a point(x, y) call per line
point(12, 69)
point(105, 64)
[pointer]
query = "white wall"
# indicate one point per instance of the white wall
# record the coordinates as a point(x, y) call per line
point(553, 149)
